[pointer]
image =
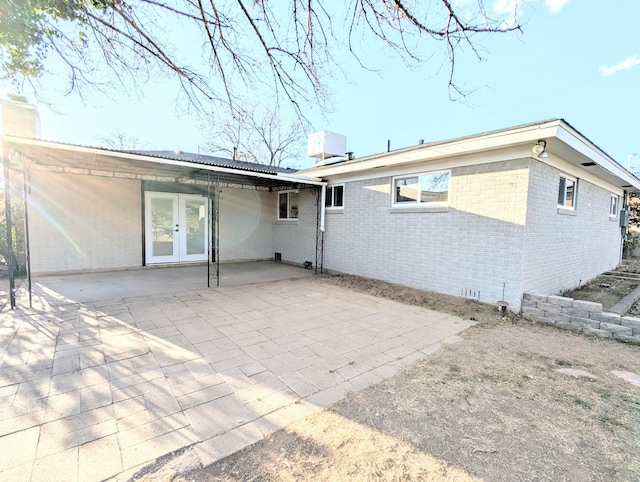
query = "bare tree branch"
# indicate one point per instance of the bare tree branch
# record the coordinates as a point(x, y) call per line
point(258, 135)
point(286, 49)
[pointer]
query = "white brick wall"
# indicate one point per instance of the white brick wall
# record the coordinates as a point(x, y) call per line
point(246, 220)
point(475, 245)
point(564, 250)
point(296, 240)
point(84, 222)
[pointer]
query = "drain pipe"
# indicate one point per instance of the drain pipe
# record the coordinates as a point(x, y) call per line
point(323, 198)
point(624, 223)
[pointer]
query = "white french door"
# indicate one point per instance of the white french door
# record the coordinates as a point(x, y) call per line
point(176, 227)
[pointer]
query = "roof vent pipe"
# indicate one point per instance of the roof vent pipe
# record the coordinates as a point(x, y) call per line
point(235, 152)
point(350, 156)
point(388, 145)
point(420, 142)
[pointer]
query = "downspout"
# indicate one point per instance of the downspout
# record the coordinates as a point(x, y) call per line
point(625, 213)
point(323, 198)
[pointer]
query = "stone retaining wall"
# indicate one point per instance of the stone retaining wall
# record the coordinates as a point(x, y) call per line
point(580, 316)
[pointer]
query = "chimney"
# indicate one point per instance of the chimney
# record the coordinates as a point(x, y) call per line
point(19, 118)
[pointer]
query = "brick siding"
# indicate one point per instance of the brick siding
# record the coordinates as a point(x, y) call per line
point(474, 246)
point(296, 239)
point(84, 222)
point(246, 220)
point(567, 248)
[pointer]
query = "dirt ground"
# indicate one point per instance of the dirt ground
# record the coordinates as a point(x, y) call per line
point(494, 407)
point(611, 288)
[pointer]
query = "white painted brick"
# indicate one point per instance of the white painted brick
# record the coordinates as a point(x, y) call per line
point(565, 251)
point(296, 240)
point(475, 245)
point(84, 222)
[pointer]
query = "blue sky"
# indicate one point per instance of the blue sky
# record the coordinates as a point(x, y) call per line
point(576, 59)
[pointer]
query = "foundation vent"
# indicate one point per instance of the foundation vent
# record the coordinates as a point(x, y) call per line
point(470, 294)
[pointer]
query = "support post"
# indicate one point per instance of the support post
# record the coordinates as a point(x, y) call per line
point(7, 213)
point(26, 187)
point(216, 247)
point(320, 191)
point(210, 242)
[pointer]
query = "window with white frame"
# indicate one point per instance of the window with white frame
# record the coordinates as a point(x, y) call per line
point(288, 205)
point(334, 196)
point(613, 206)
point(567, 192)
point(430, 188)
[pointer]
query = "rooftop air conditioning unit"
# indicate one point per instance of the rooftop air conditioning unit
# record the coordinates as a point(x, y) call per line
point(326, 145)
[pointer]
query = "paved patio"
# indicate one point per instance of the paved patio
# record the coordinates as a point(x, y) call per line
point(100, 389)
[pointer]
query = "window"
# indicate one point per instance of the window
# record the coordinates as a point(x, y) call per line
point(567, 192)
point(422, 189)
point(613, 206)
point(288, 205)
point(335, 196)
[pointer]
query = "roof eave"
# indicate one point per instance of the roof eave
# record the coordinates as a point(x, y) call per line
point(553, 129)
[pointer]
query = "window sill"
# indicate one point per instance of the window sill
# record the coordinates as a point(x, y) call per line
point(287, 221)
point(613, 218)
point(417, 209)
point(334, 210)
point(566, 212)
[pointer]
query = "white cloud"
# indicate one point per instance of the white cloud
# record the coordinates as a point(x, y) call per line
point(629, 62)
point(555, 6)
point(505, 7)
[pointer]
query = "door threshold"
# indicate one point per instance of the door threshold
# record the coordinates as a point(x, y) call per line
point(175, 265)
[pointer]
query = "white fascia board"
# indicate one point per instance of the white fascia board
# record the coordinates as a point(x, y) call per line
point(450, 148)
point(443, 163)
point(162, 160)
point(585, 147)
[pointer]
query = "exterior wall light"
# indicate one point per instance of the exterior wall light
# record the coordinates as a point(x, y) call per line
point(540, 149)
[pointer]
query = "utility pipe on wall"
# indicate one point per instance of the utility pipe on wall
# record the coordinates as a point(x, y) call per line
point(323, 198)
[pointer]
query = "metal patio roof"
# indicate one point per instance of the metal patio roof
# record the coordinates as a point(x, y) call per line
point(154, 165)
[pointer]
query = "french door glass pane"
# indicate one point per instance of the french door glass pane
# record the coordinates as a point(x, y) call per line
point(162, 226)
point(194, 222)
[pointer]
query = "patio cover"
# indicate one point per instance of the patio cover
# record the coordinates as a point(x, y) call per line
point(21, 153)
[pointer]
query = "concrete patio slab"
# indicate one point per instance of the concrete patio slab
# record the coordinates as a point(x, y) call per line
point(150, 280)
point(99, 389)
